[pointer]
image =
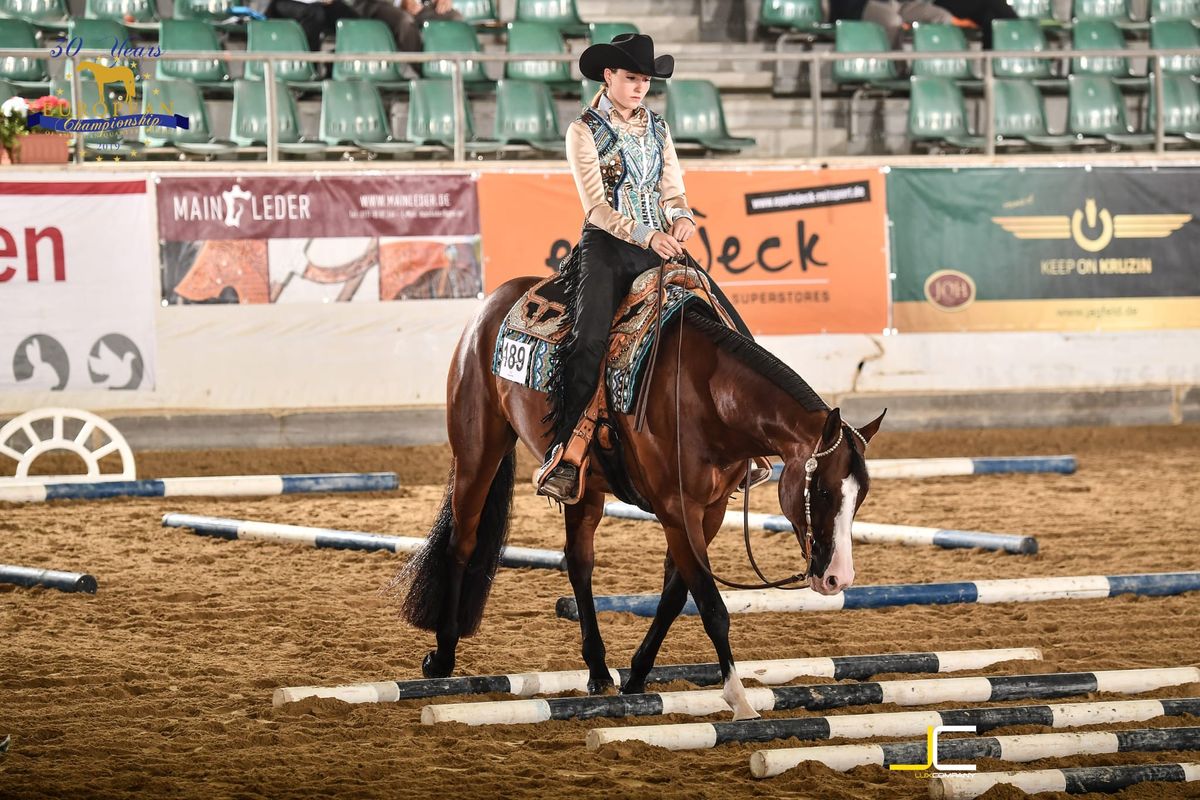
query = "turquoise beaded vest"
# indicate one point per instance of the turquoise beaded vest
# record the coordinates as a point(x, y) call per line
point(631, 167)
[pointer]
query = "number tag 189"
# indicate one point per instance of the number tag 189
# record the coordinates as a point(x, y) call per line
point(514, 360)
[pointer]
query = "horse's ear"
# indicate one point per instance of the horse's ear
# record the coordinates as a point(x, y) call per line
point(833, 427)
point(869, 430)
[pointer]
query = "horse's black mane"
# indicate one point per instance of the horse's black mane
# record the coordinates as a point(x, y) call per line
point(756, 357)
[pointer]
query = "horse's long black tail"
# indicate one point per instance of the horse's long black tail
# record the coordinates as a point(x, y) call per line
point(426, 574)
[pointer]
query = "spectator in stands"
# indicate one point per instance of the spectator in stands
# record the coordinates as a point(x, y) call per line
point(406, 17)
point(315, 16)
point(893, 15)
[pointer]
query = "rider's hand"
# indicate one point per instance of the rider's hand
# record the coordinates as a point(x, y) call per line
point(682, 229)
point(665, 245)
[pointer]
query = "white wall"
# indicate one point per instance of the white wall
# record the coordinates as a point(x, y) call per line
point(342, 356)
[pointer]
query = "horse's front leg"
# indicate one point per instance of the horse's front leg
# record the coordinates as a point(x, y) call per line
point(582, 518)
point(691, 559)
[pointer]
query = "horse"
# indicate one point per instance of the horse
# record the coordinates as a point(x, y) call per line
point(725, 400)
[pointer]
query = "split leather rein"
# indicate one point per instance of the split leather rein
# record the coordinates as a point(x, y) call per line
point(804, 538)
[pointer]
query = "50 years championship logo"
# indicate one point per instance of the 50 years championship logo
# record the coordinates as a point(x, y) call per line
point(129, 108)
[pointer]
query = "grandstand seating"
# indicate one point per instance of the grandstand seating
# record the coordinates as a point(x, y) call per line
point(352, 113)
point(452, 36)
point(192, 34)
point(367, 37)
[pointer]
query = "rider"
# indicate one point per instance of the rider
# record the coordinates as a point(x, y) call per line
point(636, 215)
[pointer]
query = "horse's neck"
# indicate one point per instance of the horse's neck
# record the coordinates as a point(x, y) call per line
point(761, 418)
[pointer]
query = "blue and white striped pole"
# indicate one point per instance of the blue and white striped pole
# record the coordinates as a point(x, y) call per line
point(1072, 780)
point(223, 486)
point(1007, 590)
point(703, 735)
point(769, 672)
point(866, 532)
point(820, 697)
point(1030, 747)
point(50, 578)
point(343, 540)
point(885, 468)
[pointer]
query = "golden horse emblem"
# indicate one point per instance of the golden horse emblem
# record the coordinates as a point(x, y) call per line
point(105, 74)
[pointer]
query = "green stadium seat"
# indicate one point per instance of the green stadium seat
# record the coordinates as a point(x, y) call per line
point(211, 11)
point(1181, 107)
point(449, 36)
point(8, 90)
point(248, 126)
point(431, 118)
point(184, 99)
point(1111, 10)
point(605, 32)
point(367, 36)
point(1176, 34)
point(281, 36)
point(537, 38)
point(561, 14)
point(352, 112)
point(138, 15)
point(1174, 9)
point(799, 16)
point(933, 38)
point(1022, 34)
point(936, 113)
point(1021, 115)
point(49, 14)
point(477, 12)
point(588, 89)
point(28, 75)
point(192, 34)
point(1096, 108)
point(1033, 9)
point(525, 114)
point(1102, 34)
point(857, 36)
point(695, 116)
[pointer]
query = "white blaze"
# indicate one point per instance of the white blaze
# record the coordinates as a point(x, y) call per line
point(841, 566)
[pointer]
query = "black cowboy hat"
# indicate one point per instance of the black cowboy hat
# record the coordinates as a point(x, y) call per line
point(629, 51)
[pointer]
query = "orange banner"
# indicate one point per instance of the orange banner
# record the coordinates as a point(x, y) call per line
point(797, 251)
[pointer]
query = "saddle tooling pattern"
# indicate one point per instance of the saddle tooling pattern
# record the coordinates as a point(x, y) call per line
point(537, 325)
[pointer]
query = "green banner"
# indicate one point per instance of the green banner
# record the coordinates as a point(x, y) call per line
point(1045, 249)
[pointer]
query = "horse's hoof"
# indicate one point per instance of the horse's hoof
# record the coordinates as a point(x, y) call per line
point(430, 667)
point(600, 686)
point(631, 687)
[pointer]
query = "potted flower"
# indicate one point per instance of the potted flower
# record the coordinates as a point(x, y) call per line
point(44, 145)
point(13, 114)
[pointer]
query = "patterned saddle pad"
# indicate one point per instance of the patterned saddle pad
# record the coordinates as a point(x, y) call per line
point(537, 325)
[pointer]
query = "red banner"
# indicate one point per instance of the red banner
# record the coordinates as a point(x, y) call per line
point(796, 251)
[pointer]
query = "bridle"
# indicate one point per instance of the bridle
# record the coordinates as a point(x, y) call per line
point(804, 538)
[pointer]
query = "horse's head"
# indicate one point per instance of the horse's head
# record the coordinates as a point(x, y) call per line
point(821, 491)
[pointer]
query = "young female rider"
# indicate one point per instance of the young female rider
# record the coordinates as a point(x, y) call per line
point(636, 215)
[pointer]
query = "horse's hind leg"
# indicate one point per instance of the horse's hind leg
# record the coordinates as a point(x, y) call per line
point(482, 443)
point(582, 518)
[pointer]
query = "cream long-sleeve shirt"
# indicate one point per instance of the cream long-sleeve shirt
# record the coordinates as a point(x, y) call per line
point(585, 166)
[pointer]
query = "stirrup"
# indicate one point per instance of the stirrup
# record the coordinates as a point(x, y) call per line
point(759, 474)
point(558, 479)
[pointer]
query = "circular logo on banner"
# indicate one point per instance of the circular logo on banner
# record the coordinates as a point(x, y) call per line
point(41, 362)
point(115, 362)
point(950, 290)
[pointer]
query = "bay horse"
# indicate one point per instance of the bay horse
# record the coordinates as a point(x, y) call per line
point(732, 401)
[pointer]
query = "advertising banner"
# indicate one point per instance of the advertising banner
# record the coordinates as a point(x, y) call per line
point(797, 251)
point(77, 287)
point(285, 239)
point(1045, 249)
